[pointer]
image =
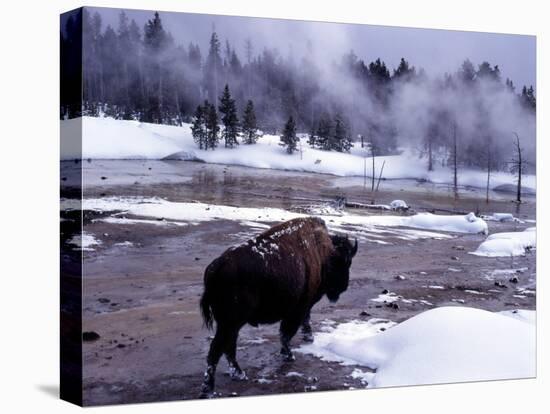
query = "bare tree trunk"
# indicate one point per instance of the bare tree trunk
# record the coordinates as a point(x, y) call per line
point(519, 167)
point(178, 110)
point(488, 180)
point(380, 175)
point(365, 173)
point(126, 84)
point(215, 81)
point(455, 161)
point(160, 96)
point(312, 116)
point(141, 86)
point(101, 84)
point(430, 156)
point(488, 170)
point(373, 171)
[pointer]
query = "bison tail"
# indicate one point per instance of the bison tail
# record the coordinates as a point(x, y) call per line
point(206, 311)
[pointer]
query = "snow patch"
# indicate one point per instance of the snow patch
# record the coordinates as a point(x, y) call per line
point(294, 374)
point(501, 217)
point(387, 298)
point(508, 244)
point(84, 241)
point(399, 205)
point(199, 212)
point(124, 244)
point(326, 344)
point(459, 224)
point(442, 345)
point(127, 221)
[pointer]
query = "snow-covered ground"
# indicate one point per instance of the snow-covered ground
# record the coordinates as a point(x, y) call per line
point(508, 244)
point(107, 138)
point(192, 213)
point(441, 345)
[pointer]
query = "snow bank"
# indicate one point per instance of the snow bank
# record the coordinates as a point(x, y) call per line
point(442, 345)
point(508, 244)
point(106, 138)
point(198, 212)
point(459, 224)
point(159, 208)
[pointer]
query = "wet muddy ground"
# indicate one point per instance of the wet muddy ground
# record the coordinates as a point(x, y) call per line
point(143, 282)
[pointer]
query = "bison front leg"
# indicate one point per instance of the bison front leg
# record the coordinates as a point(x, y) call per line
point(287, 330)
point(307, 332)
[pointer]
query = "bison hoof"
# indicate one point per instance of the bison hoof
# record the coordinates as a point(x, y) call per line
point(238, 375)
point(288, 356)
point(307, 337)
point(207, 393)
point(207, 388)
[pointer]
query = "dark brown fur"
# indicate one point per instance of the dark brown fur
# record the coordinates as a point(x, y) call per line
point(278, 276)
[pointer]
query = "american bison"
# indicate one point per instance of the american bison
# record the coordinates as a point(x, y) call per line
point(278, 276)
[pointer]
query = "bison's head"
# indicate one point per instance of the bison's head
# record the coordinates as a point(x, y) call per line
point(337, 276)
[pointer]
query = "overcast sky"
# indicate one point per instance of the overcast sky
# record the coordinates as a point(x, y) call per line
point(437, 51)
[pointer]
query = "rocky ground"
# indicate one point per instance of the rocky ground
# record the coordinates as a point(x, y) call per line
point(145, 340)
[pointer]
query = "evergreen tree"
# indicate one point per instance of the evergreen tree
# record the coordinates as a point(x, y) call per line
point(312, 138)
point(289, 140)
point(485, 71)
point(379, 79)
point(324, 133)
point(154, 34)
point(194, 56)
point(510, 85)
point(139, 72)
point(404, 71)
point(528, 97)
point(250, 126)
point(379, 71)
point(467, 73)
point(212, 127)
point(198, 127)
point(154, 41)
point(212, 68)
point(229, 118)
point(342, 141)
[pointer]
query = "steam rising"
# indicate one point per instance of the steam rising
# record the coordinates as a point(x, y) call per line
point(317, 76)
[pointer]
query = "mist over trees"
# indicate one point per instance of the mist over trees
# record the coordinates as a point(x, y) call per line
point(143, 73)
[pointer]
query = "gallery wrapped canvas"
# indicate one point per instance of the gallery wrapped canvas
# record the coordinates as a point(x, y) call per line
point(254, 206)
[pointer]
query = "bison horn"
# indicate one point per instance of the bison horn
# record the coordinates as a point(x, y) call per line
point(354, 248)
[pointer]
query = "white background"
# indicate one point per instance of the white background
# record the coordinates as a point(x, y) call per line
point(29, 203)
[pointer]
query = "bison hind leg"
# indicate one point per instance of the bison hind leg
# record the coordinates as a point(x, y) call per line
point(235, 370)
point(217, 347)
point(287, 330)
point(307, 332)
point(207, 388)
